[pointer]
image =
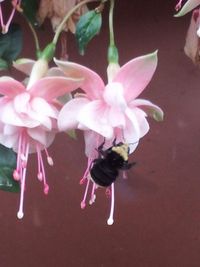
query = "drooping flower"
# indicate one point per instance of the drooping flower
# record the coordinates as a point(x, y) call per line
point(110, 111)
point(192, 44)
point(28, 118)
point(56, 10)
point(5, 26)
point(193, 34)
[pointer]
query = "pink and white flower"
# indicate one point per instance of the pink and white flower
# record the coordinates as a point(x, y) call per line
point(193, 34)
point(28, 117)
point(56, 10)
point(110, 111)
point(192, 43)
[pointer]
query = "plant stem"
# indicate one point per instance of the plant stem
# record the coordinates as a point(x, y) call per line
point(60, 27)
point(34, 36)
point(113, 56)
point(112, 39)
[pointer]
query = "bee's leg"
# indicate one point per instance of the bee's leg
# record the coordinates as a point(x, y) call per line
point(127, 166)
point(100, 150)
point(114, 142)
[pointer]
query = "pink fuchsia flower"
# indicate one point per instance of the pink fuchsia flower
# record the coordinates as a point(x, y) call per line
point(16, 6)
point(187, 7)
point(192, 44)
point(56, 10)
point(28, 118)
point(110, 111)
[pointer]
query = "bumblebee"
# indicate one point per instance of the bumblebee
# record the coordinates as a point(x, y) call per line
point(105, 169)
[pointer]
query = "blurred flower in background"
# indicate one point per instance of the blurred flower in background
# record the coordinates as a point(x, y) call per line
point(56, 10)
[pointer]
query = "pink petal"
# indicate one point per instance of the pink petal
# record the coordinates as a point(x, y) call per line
point(149, 108)
point(41, 136)
point(55, 71)
point(10, 141)
point(40, 106)
point(67, 118)
point(189, 5)
point(8, 115)
point(142, 121)
point(92, 141)
point(132, 117)
point(95, 116)
point(10, 87)
point(131, 136)
point(92, 83)
point(21, 102)
point(136, 74)
point(38, 119)
point(10, 130)
point(114, 95)
point(116, 117)
point(136, 127)
point(51, 87)
point(24, 65)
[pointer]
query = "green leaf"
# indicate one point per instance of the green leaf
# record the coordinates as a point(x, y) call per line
point(3, 64)
point(7, 183)
point(87, 27)
point(10, 45)
point(30, 8)
point(7, 166)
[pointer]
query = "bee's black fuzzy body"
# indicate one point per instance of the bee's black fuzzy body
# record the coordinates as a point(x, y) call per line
point(105, 168)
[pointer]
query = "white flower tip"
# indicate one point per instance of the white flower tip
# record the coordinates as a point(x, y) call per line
point(20, 215)
point(50, 161)
point(92, 200)
point(23, 158)
point(110, 221)
point(40, 176)
point(198, 32)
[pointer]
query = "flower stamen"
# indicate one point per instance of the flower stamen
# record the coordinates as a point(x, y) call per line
point(83, 204)
point(93, 196)
point(41, 173)
point(20, 213)
point(85, 175)
point(110, 220)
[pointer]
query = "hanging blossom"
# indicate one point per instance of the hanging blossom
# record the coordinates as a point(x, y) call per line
point(56, 10)
point(16, 6)
point(187, 7)
point(192, 43)
point(28, 117)
point(111, 111)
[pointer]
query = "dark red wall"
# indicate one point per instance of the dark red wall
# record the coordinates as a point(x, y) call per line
point(157, 215)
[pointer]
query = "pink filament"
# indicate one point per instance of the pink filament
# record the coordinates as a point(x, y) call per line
point(93, 196)
point(23, 168)
point(49, 159)
point(85, 195)
point(178, 5)
point(85, 175)
point(41, 171)
point(5, 27)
